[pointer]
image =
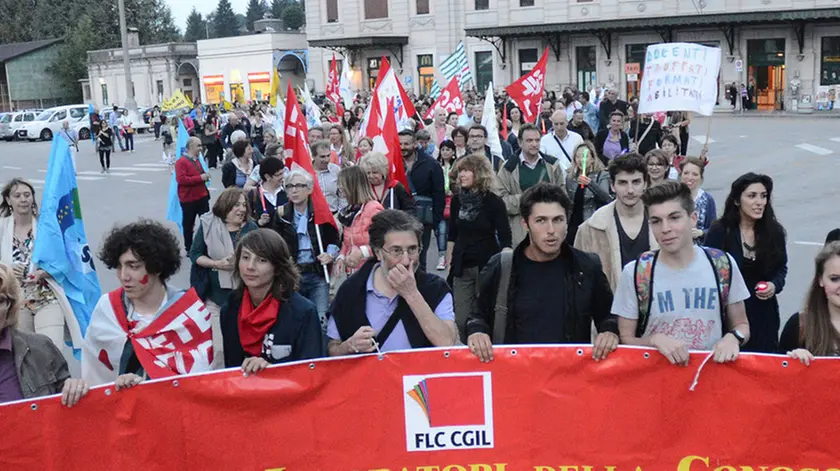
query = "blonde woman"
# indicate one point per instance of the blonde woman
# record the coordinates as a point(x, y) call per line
point(364, 147)
point(477, 216)
point(390, 193)
point(355, 218)
point(44, 307)
point(588, 188)
point(341, 152)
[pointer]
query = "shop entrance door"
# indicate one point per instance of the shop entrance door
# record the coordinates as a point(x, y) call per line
point(766, 73)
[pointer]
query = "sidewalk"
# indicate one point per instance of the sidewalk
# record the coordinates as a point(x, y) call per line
point(728, 111)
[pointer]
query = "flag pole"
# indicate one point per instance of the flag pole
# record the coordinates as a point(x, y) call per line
point(321, 249)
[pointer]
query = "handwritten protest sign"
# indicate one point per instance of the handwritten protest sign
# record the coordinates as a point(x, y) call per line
point(680, 76)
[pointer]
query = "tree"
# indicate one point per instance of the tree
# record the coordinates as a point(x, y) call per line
point(196, 27)
point(294, 17)
point(256, 11)
point(225, 23)
point(277, 7)
point(70, 65)
point(17, 25)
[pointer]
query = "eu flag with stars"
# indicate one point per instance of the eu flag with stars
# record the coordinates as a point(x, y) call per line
point(174, 212)
point(61, 247)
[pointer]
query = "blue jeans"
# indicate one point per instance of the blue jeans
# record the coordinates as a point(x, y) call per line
point(118, 135)
point(316, 289)
point(441, 233)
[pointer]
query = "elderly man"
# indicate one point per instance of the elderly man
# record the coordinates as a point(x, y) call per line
point(610, 104)
point(192, 189)
point(561, 143)
point(389, 304)
point(327, 173)
point(232, 125)
point(441, 130)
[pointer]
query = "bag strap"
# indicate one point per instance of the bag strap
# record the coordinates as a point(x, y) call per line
point(644, 287)
point(389, 326)
point(723, 277)
point(501, 309)
point(560, 144)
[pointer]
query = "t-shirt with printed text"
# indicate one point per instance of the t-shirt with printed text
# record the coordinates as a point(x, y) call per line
point(685, 303)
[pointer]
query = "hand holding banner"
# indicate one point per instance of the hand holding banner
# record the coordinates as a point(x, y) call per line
point(680, 77)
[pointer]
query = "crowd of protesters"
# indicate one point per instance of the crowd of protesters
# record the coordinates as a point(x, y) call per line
point(590, 226)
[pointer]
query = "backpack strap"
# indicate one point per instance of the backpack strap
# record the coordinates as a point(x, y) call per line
point(501, 309)
point(643, 281)
point(723, 277)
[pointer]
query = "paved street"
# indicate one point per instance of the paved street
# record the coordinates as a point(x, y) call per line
point(802, 155)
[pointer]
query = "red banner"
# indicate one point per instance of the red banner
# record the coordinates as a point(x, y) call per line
point(532, 408)
point(528, 90)
point(449, 99)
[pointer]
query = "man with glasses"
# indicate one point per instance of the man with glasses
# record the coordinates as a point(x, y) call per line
point(389, 304)
point(327, 174)
point(477, 144)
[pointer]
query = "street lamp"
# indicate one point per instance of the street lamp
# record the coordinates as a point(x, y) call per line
point(130, 103)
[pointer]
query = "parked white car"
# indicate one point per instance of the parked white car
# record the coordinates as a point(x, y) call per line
point(49, 122)
point(12, 122)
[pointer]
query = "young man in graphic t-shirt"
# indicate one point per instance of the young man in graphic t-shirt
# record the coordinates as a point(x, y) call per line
point(685, 296)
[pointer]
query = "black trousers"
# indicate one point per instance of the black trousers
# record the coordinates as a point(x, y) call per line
point(684, 140)
point(105, 158)
point(192, 210)
point(157, 130)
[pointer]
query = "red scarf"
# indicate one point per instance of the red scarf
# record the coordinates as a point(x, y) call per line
point(254, 322)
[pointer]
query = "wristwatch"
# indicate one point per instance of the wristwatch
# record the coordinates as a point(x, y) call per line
point(738, 335)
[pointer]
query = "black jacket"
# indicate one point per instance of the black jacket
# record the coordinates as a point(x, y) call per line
point(348, 307)
point(588, 296)
point(426, 179)
point(477, 238)
point(227, 130)
point(605, 108)
point(402, 199)
point(584, 130)
point(297, 327)
point(601, 138)
point(651, 141)
point(229, 173)
point(496, 162)
point(284, 224)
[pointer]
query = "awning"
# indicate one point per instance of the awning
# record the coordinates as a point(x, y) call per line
point(344, 45)
point(664, 25)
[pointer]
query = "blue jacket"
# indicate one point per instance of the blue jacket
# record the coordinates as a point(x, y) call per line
point(426, 179)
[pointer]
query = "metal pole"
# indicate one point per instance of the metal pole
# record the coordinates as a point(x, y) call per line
point(130, 104)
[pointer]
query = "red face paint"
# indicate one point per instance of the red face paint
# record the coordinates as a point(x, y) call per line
point(144, 280)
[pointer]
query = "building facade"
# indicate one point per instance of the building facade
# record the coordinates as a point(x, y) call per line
point(238, 69)
point(24, 79)
point(787, 50)
point(157, 70)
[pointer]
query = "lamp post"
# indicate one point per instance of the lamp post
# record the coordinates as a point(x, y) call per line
point(130, 103)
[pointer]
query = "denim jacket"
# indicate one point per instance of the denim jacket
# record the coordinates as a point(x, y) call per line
point(40, 366)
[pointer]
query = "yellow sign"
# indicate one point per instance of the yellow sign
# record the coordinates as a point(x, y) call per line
point(177, 101)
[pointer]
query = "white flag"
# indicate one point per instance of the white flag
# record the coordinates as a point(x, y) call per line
point(344, 86)
point(489, 122)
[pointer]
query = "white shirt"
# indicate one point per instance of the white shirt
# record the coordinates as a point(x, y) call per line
point(550, 145)
point(684, 303)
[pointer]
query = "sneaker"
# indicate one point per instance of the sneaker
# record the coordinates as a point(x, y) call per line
point(132, 151)
point(441, 263)
point(103, 170)
point(108, 170)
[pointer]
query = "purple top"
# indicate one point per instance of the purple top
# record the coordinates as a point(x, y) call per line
point(378, 308)
point(612, 149)
point(9, 382)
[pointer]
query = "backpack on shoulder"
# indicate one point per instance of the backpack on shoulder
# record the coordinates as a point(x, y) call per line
point(643, 278)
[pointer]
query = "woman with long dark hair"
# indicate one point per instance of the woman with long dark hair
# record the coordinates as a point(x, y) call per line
point(749, 231)
point(265, 321)
point(816, 330)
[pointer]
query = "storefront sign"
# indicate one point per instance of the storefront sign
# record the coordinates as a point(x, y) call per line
point(214, 79)
point(632, 68)
point(680, 76)
point(531, 409)
point(258, 77)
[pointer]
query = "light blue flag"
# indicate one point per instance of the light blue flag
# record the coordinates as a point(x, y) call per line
point(91, 111)
point(61, 247)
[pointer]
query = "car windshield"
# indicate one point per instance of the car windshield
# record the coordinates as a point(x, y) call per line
point(6, 118)
point(44, 115)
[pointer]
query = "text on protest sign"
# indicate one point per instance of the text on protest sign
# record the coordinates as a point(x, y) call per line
point(680, 76)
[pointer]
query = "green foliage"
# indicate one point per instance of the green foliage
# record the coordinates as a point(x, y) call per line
point(225, 23)
point(256, 11)
point(293, 16)
point(196, 27)
point(71, 64)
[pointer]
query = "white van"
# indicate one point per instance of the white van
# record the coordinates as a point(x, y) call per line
point(49, 122)
point(10, 123)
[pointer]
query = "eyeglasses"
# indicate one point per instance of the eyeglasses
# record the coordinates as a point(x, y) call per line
point(297, 186)
point(398, 252)
point(6, 301)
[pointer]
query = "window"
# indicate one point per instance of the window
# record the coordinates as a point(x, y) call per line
point(376, 9)
point(59, 116)
point(104, 94)
point(635, 55)
point(78, 113)
point(527, 60)
point(18, 118)
point(526, 3)
point(586, 66)
point(332, 11)
point(483, 70)
point(28, 117)
point(425, 72)
point(373, 65)
point(422, 7)
point(159, 87)
point(482, 4)
point(188, 82)
point(830, 63)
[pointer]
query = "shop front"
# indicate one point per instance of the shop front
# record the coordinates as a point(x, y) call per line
point(259, 84)
point(214, 88)
point(635, 62)
point(766, 73)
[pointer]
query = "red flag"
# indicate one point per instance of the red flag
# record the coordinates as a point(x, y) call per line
point(449, 99)
point(504, 121)
point(333, 88)
point(388, 87)
point(528, 90)
point(384, 67)
point(295, 140)
point(392, 140)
